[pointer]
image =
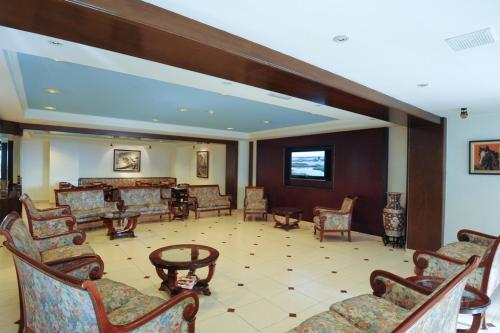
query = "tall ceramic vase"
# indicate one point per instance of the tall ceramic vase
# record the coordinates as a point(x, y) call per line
point(394, 219)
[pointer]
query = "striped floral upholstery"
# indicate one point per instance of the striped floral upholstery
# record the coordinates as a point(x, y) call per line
point(145, 200)
point(86, 204)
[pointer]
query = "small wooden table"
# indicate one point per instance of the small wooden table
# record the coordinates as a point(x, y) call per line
point(287, 212)
point(474, 302)
point(123, 230)
point(184, 257)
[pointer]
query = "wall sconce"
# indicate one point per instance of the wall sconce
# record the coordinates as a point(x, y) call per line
point(463, 113)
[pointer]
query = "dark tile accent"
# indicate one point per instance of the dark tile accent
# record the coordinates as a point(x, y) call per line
point(405, 261)
point(292, 315)
point(230, 234)
point(288, 256)
point(258, 236)
point(129, 258)
point(147, 277)
point(148, 247)
point(290, 269)
point(117, 244)
point(193, 240)
point(288, 245)
point(224, 242)
point(334, 272)
point(366, 259)
point(202, 233)
point(287, 237)
point(163, 238)
point(356, 248)
point(176, 231)
point(252, 254)
point(104, 273)
point(343, 291)
point(255, 244)
point(240, 284)
point(327, 257)
point(231, 310)
point(321, 247)
point(392, 250)
point(247, 267)
point(291, 288)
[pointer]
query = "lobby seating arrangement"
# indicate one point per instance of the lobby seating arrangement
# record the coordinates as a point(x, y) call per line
point(86, 204)
point(206, 198)
point(328, 219)
point(448, 259)
point(145, 200)
point(126, 182)
point(46, 222)
point(255, 203)
point(63, 252)
point(71, 304)
point(397, 305)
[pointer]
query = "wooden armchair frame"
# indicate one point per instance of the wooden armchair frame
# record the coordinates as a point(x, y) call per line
point(322, 230)
point(245, 212)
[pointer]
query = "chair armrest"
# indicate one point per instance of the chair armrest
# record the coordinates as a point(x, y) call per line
point(49, 213)
point(317, 209)
point(74, 237)
point(113, 204)
point(54, 226)
point(84, 267)
point(466, 235)
point(397, 290)
point(229, 197)
point(435, 263)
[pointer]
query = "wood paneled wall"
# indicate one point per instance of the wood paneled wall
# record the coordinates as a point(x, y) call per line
point(360, 168)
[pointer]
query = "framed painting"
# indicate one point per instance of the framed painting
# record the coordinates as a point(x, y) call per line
point(127, 160)
point(202, 164)
point(484, 157)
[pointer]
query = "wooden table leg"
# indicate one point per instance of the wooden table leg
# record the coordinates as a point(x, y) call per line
point(202, 284)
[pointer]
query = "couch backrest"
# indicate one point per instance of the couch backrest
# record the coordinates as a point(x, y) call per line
point(204, 191)
point(140, 195)
point(16, 233)
point(439, 311)
point(348, 204)
point(81, 199)
point(125, 182)
point(494, 276)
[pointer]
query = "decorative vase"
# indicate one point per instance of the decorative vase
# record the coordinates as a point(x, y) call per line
point(394, 216)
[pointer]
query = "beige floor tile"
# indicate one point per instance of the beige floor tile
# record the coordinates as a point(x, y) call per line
point(225, 322)
point(261, 314)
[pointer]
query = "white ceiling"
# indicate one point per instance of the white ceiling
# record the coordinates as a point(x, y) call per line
point(393, 45)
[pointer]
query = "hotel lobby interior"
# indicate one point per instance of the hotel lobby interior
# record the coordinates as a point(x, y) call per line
point(243, 167)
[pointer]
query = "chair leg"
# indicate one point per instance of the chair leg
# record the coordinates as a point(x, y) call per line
point(230, 211)
point(244, 216)
point(321, 233)
point(315, 230)
point(349, 235)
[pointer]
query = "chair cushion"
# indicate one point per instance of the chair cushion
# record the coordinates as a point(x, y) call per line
point(23, 241)
point(115, 294)
point(462, 250)
point(91, 214)
point(326, 322)
point(333, 221)
point(134, 309)
point(63, 252)
point(370, 313)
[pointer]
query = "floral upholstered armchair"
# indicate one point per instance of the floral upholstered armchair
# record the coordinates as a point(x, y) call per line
point(255, 203)
point(47, 222)
point(334, 220)
point(69, 304)
point(448, 259)
point(204, 198)
point(396, 306)
point(64, 252)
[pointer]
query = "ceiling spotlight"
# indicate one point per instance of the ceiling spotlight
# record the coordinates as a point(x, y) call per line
point(422, 85)
point(230, 128)
point(266, 122)
point(155, 120)
point(52, 91)
point(464, 113)
point(55, 42)
point(183, 109)
point(211, 112)
point(340, 39)
point(51, 108)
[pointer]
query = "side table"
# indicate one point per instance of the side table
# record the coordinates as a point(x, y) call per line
point(125, 224)
point(289, 213)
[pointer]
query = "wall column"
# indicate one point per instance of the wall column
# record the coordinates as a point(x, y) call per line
point(243, 160)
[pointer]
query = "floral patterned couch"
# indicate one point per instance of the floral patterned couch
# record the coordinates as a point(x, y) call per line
point(64, 252)
point(47, 222)
point(125, 182)
point(207, 198)
point(86, 205)
point(146, 200)
point(55, 302)
point(447, 260)
point(396, 305)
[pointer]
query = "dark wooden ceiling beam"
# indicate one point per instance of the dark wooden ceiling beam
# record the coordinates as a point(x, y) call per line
point(142, 30)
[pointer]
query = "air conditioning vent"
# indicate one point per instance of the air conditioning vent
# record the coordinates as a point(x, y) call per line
point(470, 40)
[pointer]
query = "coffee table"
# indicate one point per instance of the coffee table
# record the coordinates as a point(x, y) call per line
point(122, 230)
point(474, 302)
point(287, 212)
point(187, 257)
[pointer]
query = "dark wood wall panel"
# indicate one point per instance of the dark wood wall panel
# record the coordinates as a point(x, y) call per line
point(426, 181)
point(360, 168)
point(232, 172)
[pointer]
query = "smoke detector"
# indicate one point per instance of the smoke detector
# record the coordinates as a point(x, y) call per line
point(470, 40)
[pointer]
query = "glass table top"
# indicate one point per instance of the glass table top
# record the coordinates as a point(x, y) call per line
point(184, 255)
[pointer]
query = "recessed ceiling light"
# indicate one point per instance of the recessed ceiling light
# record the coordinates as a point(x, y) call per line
point(55, 42)
point(280, 96)
point(211, 112)
point(52, 91)
point(155, 120)
point(266, 121)
point(422, 85)
point(51, 108)
point(340, 39)
point(230, 128)
point(183, 109)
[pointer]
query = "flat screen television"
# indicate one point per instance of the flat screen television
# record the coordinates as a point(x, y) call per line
point(309, 163)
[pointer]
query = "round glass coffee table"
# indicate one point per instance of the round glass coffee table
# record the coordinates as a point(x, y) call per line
point(188, 257)
point(473, 302)
point(120, 224)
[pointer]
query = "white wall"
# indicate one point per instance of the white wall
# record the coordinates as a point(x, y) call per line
point(35, 167)
point(471, 200)
point(397, 161)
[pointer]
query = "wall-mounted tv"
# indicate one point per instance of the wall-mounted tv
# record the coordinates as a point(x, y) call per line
point(308, 165)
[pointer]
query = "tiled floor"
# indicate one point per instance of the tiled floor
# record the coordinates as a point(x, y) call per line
point(267, 280)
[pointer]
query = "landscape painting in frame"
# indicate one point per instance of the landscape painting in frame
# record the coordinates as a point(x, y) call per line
point(127, 160)
point(484, 157)
point(202, 164)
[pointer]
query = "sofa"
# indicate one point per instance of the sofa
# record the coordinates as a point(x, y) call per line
point(47, 222)
point(64, 252)
point(55, 302)
point(125, 182)
point(146, 200)
point(86, 204)
point(396, 305)
point(205, 198)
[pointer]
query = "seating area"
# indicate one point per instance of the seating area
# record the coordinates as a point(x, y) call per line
point(249, 167)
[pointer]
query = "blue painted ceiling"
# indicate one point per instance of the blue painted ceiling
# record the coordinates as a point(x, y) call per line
point(98, 92)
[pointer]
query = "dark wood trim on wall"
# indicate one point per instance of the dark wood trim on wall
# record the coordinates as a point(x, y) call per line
point(143, 30)
point(232, 172)
point(426, 184)
point(250, 164)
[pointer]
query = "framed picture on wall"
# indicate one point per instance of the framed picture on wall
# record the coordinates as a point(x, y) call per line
point(202, 164)
point(484, 157)
point(127, 160)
